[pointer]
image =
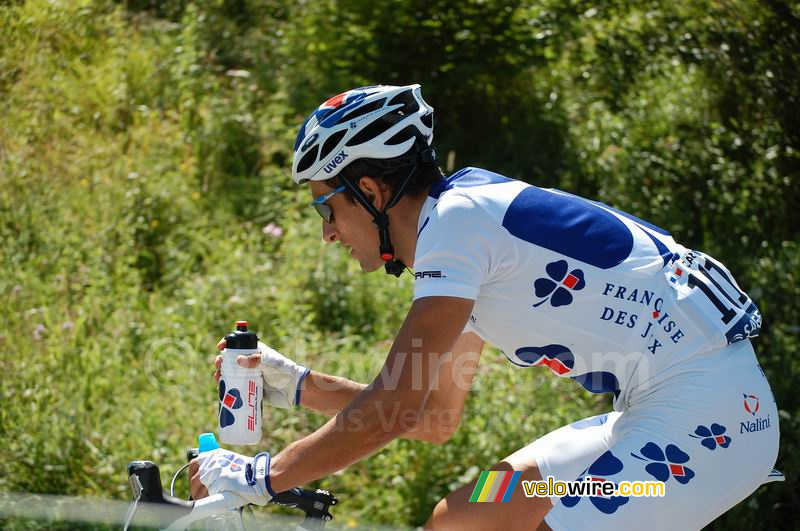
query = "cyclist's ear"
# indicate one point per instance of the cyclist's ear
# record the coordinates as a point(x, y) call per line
point(375, 190)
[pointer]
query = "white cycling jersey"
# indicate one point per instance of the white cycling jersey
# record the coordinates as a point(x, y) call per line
point(586, 290)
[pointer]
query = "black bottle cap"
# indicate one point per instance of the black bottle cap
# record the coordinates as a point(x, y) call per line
point(241, 338)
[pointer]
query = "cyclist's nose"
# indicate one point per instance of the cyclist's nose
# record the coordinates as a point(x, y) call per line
point(329, 232)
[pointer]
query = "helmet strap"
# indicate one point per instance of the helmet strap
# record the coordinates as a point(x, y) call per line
point(380, 219)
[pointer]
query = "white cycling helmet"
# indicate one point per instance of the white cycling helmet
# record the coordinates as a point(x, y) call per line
point(377, 122)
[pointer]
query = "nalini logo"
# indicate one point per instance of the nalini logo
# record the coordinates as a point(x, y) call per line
point(559, 287)
point(335, 162)
point(751, 404)
point(754, 426)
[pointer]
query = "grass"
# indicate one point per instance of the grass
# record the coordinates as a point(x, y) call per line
point(136, 184)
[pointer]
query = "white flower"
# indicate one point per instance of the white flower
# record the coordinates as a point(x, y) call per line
point(38, 331)
point(272, 230)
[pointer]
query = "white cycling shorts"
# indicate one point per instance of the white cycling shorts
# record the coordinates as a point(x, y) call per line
point(707, 428)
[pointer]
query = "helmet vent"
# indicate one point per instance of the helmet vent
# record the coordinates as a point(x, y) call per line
point(332, 142)
point(410, 104)
point(364, 109)
point(402, 136)
point(427, 119)
point(376, 128)
point(308, 159)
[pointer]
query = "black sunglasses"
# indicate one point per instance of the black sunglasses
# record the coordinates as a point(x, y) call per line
point(322, 207)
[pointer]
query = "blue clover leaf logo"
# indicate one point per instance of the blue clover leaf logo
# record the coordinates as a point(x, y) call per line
point(557, 289)
point(605, 465)
point(229, 460)
point(232, 399)
point(558, 358)
point(666, 463)
point(712, 436)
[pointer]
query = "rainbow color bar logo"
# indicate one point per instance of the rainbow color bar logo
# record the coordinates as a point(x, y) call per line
point(494, 486)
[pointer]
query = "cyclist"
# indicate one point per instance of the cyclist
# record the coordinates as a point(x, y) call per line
point(552, 279)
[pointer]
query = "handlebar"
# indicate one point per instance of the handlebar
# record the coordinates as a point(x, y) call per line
point(175, 514)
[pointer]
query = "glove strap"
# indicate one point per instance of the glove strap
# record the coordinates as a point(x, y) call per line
point(306, 371)
point(254, 471)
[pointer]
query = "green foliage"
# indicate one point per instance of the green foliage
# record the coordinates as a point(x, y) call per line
point(145, 204)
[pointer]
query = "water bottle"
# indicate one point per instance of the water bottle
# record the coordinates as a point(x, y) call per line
point(231, 520)
point(240, 390)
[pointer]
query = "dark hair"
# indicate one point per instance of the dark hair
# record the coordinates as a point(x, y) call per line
point(425, 174)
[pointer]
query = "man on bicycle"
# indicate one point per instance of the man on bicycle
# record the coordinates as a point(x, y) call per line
point(555, 281)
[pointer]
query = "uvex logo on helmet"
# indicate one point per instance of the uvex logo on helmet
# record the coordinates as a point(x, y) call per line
point(376, 122)
point(334, 162)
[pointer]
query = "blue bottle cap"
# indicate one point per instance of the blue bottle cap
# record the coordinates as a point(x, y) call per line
point(207, 442)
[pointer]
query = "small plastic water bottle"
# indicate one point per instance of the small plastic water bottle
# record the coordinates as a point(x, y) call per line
point(240, 390)
point(230, 520)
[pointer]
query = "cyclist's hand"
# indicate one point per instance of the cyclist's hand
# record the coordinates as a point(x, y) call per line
point(245, 361)
point(282, 376)
point(222, 470)
point(196, 487)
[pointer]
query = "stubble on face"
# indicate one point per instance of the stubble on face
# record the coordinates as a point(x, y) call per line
point(353, 228)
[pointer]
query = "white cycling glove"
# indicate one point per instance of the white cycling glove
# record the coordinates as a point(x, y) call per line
point(222, 470)
point(282, 377)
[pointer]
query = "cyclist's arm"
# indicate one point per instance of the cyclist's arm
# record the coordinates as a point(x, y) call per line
point(390, 407)
point(329, 394)
point(446, 401)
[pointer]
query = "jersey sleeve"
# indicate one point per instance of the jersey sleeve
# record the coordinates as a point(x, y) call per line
point(455, 248)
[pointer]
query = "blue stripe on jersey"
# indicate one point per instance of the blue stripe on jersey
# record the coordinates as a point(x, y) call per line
point(424, 224)
point(597, 420)
point(665, 253)
point(570, 226)
point(633, 218)
point(599, 382)
point(466, 178)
